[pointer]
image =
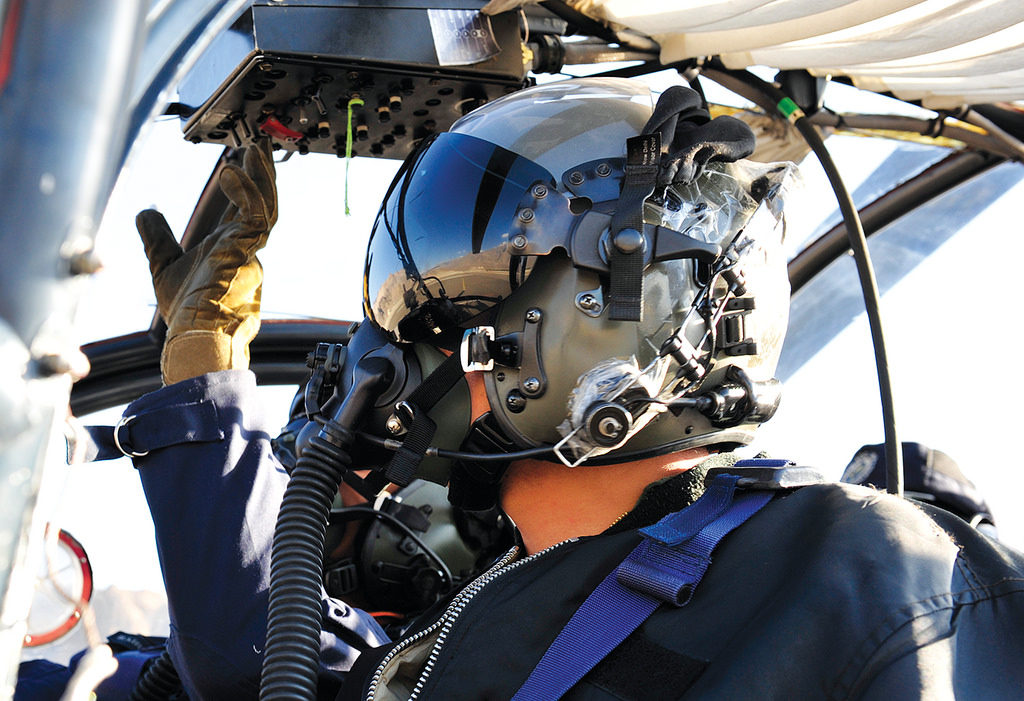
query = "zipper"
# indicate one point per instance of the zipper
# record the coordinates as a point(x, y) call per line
point(447, 620)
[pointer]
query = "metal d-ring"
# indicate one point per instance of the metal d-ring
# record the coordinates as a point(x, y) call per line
point(117, 429)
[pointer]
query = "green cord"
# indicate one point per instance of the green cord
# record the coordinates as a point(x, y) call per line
point(354, 102)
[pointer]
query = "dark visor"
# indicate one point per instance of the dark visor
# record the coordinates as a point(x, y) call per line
point(439, 253)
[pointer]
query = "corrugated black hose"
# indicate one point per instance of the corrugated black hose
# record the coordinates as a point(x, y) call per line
point(159, 682)
point(294, 614)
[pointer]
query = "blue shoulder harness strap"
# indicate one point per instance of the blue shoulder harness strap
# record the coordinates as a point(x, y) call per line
point(665, 568)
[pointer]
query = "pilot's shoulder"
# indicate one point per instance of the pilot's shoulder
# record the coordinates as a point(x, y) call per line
point(856, 516)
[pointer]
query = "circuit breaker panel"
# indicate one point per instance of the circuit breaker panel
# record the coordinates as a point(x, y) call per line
point(316, 75)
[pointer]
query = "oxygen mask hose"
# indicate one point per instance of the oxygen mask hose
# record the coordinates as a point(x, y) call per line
point(294, 614)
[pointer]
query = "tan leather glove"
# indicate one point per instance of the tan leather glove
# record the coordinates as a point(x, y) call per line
point(209, 296)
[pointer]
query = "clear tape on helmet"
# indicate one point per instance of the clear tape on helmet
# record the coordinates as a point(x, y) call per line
point(721, 202)
point(614, 380)
point(740, 207)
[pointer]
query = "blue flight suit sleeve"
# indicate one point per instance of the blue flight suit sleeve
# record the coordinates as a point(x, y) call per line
point(214, 488)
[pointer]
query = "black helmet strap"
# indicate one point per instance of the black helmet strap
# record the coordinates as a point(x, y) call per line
point(693, 139)
point(628, 245)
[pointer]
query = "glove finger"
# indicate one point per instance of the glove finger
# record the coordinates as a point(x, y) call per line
point(253, 215)
point(161, 247)
point(258, 164)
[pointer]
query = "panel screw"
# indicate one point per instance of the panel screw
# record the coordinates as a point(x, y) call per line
point(515, 401)
point(540, 192)
point(526, 215)
point(575, 178)
point(394, 425)
point(604, 170)
point(519, 241)
point(531, 385)
point(533, 315)
point(588, 302)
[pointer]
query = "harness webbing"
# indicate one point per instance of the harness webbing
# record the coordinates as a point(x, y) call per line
point(666, 567)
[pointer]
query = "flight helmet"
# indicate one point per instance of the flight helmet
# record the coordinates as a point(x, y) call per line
point(604, 257)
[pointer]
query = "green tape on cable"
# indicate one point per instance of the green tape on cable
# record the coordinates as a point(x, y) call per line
point(789, 109)
point(354, 102)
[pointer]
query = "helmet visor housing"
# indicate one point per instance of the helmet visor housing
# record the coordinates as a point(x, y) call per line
point(425, 273)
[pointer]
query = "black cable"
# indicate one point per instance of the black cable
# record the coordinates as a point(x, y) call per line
point(580, 21)
point(645, 68)
point(393, 444)
point(773, 99)
point(690, 72)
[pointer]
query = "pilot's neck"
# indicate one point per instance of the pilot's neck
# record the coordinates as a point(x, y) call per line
point(550, 502)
